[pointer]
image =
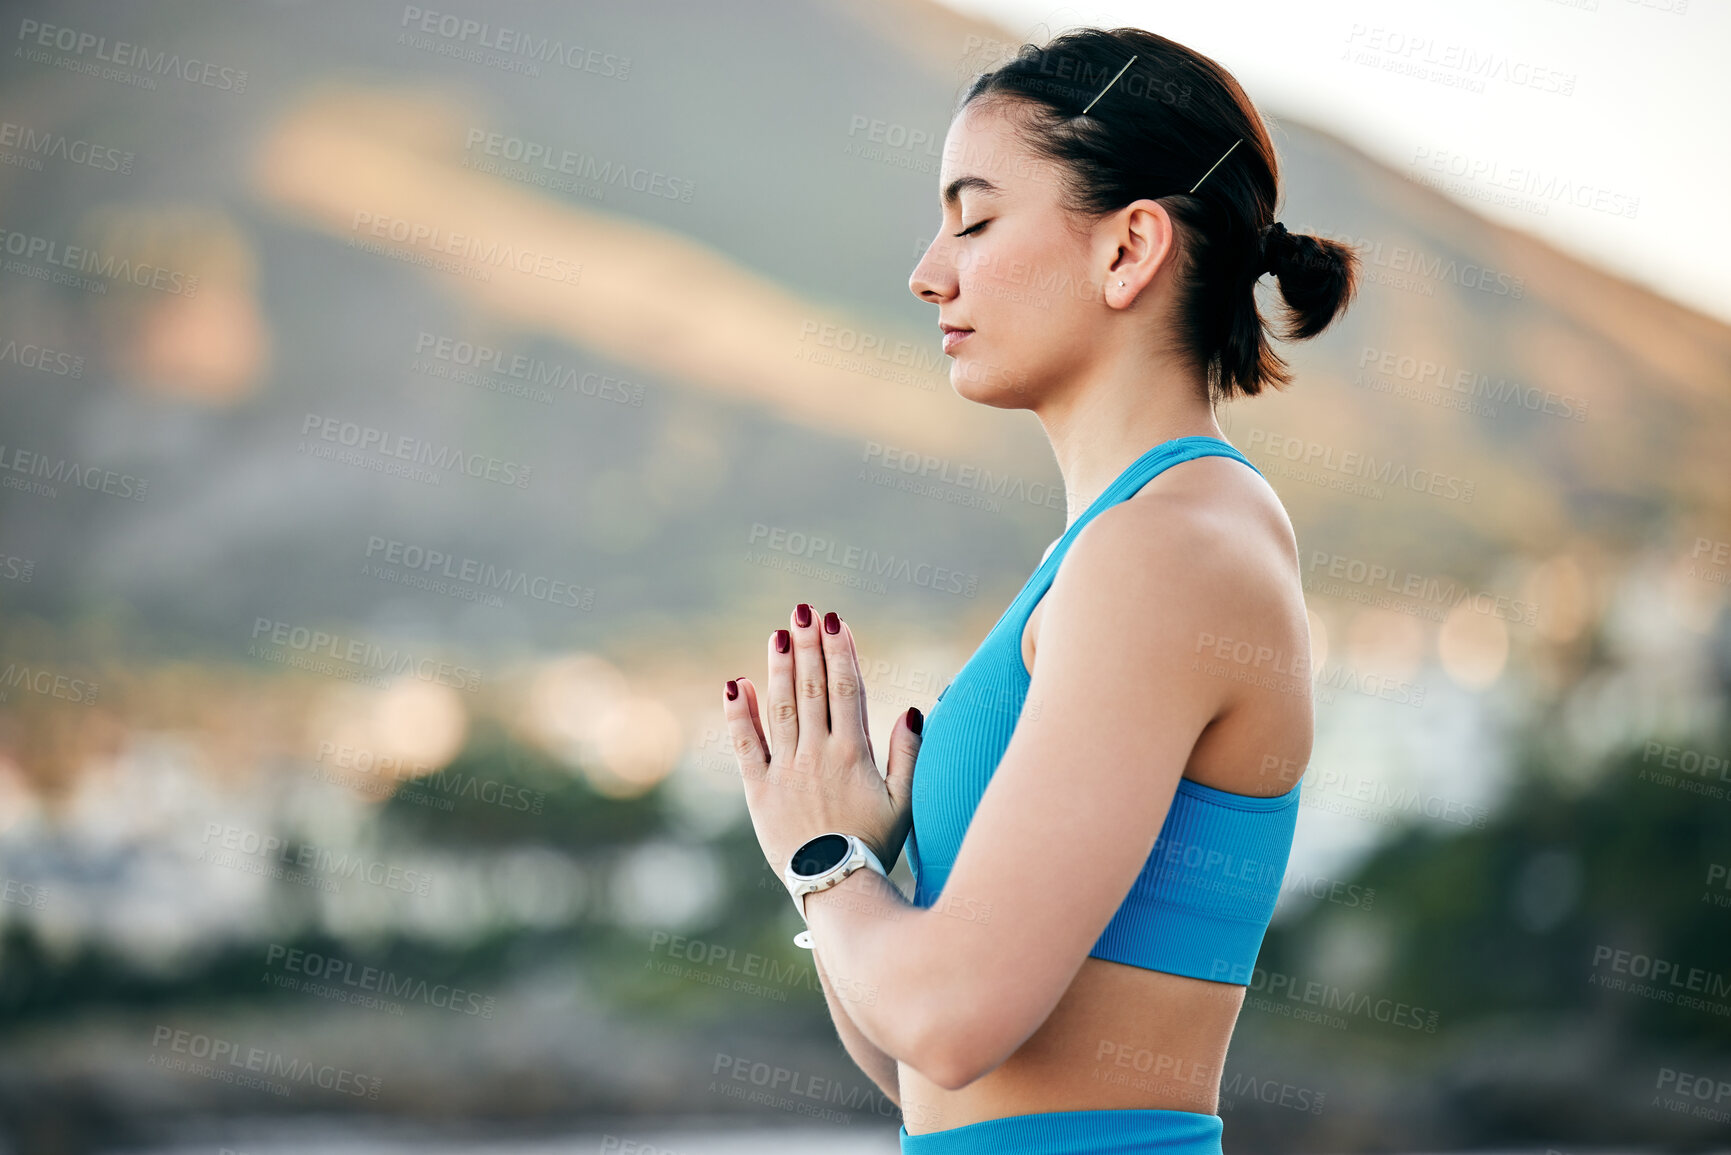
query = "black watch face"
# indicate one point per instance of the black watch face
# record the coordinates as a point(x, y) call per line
point(820, 854)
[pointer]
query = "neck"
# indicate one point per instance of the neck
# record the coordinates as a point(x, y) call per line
point(1097, 428)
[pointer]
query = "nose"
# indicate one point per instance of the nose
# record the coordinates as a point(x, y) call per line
point(933, 279)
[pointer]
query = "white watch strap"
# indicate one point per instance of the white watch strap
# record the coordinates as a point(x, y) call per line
point(857, 848)
point(872, 859)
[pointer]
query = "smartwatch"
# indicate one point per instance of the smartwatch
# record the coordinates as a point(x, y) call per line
point(819, 864)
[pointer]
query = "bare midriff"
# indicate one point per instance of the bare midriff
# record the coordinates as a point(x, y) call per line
point(1120, 1037)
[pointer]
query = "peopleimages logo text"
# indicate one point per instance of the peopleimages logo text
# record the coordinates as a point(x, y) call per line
point(817, 548)
point(468, 570)
point(366, 438)
point(60, 471)
point(1359, 466)
point(375, 980)
point(34, 33)
point(515, 42)
point(83, 258)
point(363, 653)
point(57, 146)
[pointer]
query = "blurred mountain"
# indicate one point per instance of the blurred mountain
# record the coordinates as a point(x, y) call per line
point(646, 489)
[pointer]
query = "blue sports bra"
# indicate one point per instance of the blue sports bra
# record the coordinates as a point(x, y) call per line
point(1203, 900)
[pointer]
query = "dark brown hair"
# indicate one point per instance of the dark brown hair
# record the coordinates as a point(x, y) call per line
point(1153, 133)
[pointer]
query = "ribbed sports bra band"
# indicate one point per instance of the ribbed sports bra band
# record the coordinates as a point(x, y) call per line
point(1203, 899)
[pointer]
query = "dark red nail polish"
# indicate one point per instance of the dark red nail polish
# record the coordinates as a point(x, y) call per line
point(732, 689)
point(783, 640)
point(916, 720)
point(802, 614)
point(831, 623)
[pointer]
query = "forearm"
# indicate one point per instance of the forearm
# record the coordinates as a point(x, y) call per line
point(872, 937)
point(878, 1065)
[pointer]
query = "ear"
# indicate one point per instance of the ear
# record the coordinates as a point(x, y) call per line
point(1141, 240)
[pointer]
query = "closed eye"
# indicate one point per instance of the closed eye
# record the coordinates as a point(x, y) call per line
point(974, 228)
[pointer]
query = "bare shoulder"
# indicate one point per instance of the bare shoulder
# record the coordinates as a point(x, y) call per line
point(1202, 557)
point(1209, 525)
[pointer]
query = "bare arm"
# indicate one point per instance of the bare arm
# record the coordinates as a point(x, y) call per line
point(966, 981)
point(876, 1063)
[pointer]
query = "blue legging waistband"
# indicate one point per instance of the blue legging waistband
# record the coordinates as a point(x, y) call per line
point(1144, 1131)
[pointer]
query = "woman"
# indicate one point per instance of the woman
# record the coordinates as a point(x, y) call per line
point(1070, 968)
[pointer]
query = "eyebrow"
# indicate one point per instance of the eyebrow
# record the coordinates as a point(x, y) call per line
point(953, 192)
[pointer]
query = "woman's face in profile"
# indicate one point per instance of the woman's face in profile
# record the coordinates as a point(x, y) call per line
point(1019, 278)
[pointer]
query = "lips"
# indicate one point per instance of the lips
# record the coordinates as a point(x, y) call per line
point(954, 336)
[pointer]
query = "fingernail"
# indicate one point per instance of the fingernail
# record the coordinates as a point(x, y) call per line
point(783, 640)
point(802, 614)
point(831, 623)
point(732, 689)
point(916, 720)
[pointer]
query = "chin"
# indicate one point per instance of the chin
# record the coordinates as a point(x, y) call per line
point(997, 387)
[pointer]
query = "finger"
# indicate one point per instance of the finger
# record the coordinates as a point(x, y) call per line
point(756, 714)
point(748, 691)
point(783, 716)
point(904, 752)
point(846, 718)
point(864, 714)
point(741, 732)
point(810, 684)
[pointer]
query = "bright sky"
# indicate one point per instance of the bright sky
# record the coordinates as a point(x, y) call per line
point(1624, 105)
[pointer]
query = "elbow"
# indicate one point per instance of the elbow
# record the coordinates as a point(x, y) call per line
point(949, 1047)
point(952, 1029)
point(944, 1063)
point(927, 1030)
point(950, 1070)
point(955, 1064)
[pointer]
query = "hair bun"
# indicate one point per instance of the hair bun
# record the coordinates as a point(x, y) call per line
point(1276, 243)
point(1317, 278)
